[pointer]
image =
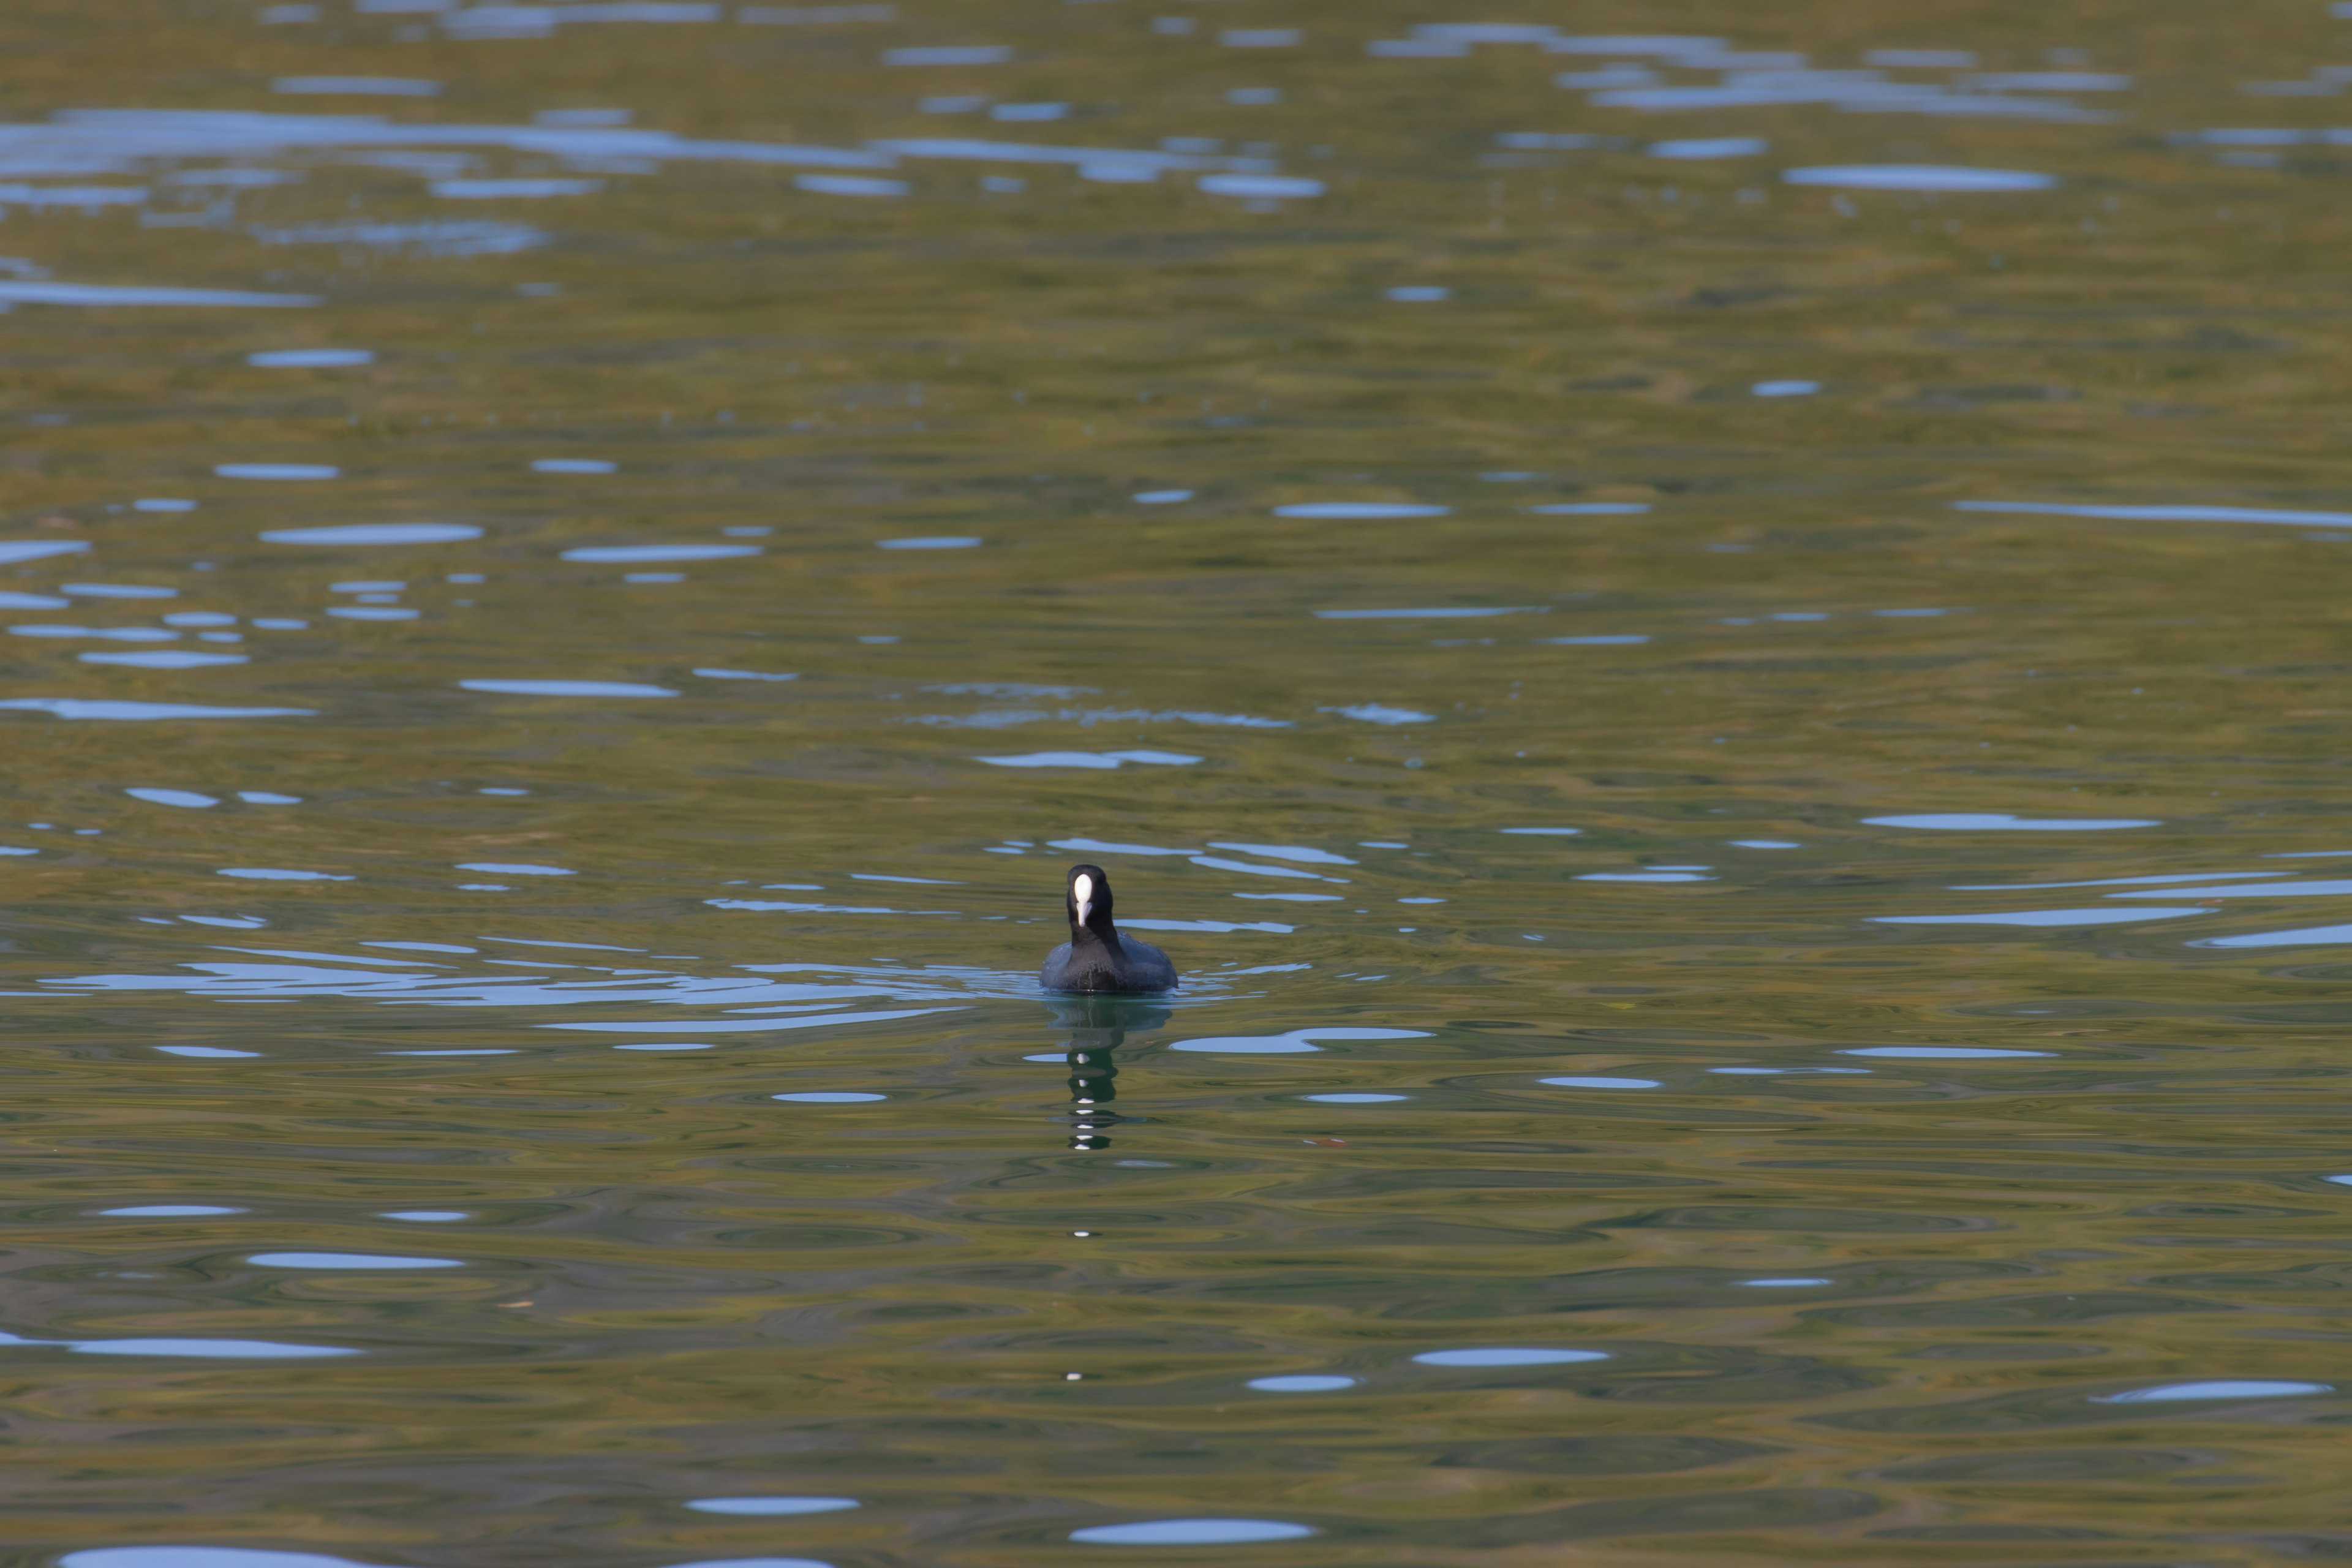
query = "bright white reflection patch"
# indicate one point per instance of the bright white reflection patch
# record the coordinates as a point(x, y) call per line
point(1642, 876)
point(1507, 1355)
point(164, 659)
point(566, 688)
point(2168, 513)
point(1090, 759)
point(2329, 888)
point(2001, 822)
point(1575, 1082)
point(181, 797)
point(1358, 510)
point(1260, 187)
point(2218, 1388)
point(200, 1557)
point(211, 1350)
point(380, 86)
point(358, 533)
point(351, 1260)
point(1919, 177)
point(15, 550)
point(1941, 1053)
point(1782, 1072)
point(2302, 936)
point(1191, 1532)
point(1219, 863)
point(1294, 1042)
point(634, 553)
point(277, 471)
point(26, 293)
point(2102, 917)
point(309, 359)
point(1378, 713)
point(1302, 1383)
point(506, 190)
point(770, 1506)
point(1103, 846)
point(851, 186)
point(1429, 614)
point(1710, 147)
point(109, 634)
point(749, 1026)
point(275, 874)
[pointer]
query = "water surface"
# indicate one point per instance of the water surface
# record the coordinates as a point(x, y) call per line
point(576, 574)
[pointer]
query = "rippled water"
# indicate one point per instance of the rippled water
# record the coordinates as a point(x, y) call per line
point(1715, 640)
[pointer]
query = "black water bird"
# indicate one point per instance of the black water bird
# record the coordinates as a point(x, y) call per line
point(1096, 958)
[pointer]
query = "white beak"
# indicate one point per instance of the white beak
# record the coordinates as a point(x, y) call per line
point(1082, 892)
point(1086, 908)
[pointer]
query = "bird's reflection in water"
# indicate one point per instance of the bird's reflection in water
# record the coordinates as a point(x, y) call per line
point(1098, 1026)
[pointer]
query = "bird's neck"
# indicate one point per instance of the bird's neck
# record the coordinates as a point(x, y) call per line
point(1107, 936)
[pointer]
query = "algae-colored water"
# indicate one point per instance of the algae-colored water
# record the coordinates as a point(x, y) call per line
point(1716, 640)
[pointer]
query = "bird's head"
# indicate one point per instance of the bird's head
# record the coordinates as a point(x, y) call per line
point(1090, 901)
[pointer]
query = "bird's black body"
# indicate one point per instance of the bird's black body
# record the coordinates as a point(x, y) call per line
point(1096, 958)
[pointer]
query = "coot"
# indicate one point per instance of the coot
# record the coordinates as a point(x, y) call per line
point(1096, 958)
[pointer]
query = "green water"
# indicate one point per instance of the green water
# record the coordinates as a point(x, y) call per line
point(2069, 1296)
